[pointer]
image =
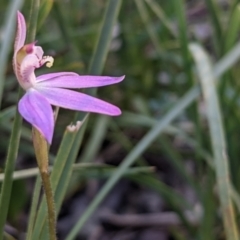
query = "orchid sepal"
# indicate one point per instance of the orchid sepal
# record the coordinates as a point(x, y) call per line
point(37, 111)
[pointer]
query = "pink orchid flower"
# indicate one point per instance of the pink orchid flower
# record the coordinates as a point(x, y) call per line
point(49, 89)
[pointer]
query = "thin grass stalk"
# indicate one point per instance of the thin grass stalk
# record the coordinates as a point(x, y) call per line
point(45, 8)
point(7, 114)
point(166, 57)
point(229, 81)
point(65, 28)
point(9, 168)
point(145, 18)
point(6, 44)
point(183, 37)
point(104, 38)
point(156, 8)
point(206, 77)
point(215, 18)
point(232, 5)
point(233, 29)
point(95, 141)
point(33, 210)
point(86, 170)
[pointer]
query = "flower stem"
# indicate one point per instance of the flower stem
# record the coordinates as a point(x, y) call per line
point(50, 203)
point(41, 151)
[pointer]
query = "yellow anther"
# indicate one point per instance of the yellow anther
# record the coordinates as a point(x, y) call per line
point(49, 61)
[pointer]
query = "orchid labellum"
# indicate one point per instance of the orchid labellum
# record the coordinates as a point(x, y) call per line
point(50, 89)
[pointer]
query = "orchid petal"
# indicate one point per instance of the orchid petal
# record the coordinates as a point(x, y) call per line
point(38, 112)
point(21, 32)
point(77, 101)
point(73, 80)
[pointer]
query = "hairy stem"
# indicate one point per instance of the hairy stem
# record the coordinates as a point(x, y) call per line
point(41, 151)
point(50, 203)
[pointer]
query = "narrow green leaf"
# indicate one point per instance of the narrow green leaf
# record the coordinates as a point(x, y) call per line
point(95, 140)
point(180, 13)
point(6, 44)
point(6, 114)
point(214, 11)
point(45, 8)
point(161, 15)
point(146, 20)
point(34, 205)
point(233, 28)
point(207, 78)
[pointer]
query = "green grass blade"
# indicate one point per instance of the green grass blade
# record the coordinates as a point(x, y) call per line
point(180, 13)
point(6, 114)
point(183, 37)
point(146, 20)
point(105, 37)
point(156, 8)
point(32, 21)
point(86, 170)
point(215, 18)
point(206, 76)
point(34, 205)
point(6, 44)
point(95, 140)
point(45, 8)
point(227, 61)
point(9, 168)
point(233, 28)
